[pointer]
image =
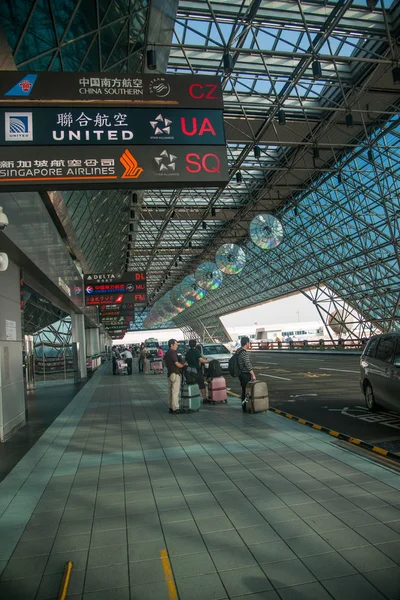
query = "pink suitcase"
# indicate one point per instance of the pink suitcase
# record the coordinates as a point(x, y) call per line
point(217, 390)
point(157, 366)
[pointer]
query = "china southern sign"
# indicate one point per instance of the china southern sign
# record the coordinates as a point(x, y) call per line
point(200, 91)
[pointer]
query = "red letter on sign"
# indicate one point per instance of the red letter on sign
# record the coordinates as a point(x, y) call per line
point(191, 91)
point(212, 87)
point(206, 127)
point(194, 126)
point(191, 159)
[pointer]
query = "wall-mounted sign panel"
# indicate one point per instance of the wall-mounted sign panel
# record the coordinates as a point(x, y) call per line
point(89, 167)
point(114, 277)
point(63, 126)
point(191, 91)
point(132, 298)
point(126, 308)
point(114, 288)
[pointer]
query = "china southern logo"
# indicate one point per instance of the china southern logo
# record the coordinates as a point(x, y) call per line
point(23, 87)
point(161, 126)
point(166, 162)
point(18, 127)
point(160, 87)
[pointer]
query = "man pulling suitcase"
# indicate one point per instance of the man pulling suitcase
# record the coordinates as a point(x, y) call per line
point(246, 372)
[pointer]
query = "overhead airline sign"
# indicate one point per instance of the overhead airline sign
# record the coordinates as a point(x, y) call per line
point(200, 91)
point(89, 167)
point(104, 131)
point(95, 127)
point(116, 293)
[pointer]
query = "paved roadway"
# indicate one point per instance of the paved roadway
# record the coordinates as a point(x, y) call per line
point(325, 390)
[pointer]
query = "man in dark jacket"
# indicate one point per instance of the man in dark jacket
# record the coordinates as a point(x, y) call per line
point(245, 366)
point(194, 360)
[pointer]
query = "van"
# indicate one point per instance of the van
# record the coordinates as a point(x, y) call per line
point(380, 372)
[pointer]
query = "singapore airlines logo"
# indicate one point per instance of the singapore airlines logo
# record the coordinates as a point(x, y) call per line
point(161, 126)
point(132, 170)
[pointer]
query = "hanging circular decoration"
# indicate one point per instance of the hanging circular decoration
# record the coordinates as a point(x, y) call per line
point(230, 259)
point(191, 290)
point(167, 307)
point(208, 276)
point(178, 299)
point(266, 231)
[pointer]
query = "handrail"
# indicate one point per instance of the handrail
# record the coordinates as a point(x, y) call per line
point(340, 344)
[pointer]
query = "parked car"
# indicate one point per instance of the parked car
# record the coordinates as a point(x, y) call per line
point(217, 352)
point(380, 372)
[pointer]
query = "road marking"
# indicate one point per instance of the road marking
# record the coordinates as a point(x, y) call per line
point(268, 363)
point(312, 359)
point(274, 376)
point(338, 370)
point(169, 578)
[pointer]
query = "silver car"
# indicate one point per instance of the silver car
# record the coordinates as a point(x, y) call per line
point(380, 372)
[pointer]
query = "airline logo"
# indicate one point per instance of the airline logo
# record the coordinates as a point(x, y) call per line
point(18, 126)
point(132, 169)
point(166, 162)
point(23, 87)
point(161, 126)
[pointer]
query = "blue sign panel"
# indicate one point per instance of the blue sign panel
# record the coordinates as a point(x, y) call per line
point(63, 126)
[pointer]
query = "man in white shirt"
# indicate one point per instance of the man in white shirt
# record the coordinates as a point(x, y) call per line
point(127, 356)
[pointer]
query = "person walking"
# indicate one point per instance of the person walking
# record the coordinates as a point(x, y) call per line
point(128, 358)
point(142, 357)
point(194, 360)
point(245, 366)
point(115, 356)
point(174, 368)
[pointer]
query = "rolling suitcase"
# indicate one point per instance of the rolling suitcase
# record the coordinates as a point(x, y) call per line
point(122, 367)
point(157, 365)
point(256, 397)
point(217, 390)
point(190, 397)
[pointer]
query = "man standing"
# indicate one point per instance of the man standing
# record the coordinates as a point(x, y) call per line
point(127, 356)
point(195, 360)
point(246, 369)
point(174, 376)
point(115, 355)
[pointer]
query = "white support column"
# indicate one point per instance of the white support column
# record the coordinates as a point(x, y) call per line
point(92, 341)
point(12, 393)
point(78, 336)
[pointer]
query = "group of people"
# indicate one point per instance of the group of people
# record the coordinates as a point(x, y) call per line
point(128, 354)
point(193, 364)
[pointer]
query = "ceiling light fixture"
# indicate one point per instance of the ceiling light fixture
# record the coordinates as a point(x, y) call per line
point(228, 63)
point(257, 152)
point(349, 120)
point(281, 117)
point(213, 212)
point(396, 75)
point(316, 69)
point(239, 177)
point(151, 58)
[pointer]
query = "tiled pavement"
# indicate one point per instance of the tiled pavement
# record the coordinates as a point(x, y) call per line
point(252, 507)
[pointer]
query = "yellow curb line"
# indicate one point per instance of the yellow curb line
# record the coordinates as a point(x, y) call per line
point(336, 434)
point(169, 578)
point(65, 580)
